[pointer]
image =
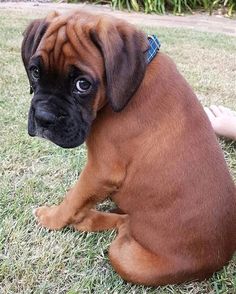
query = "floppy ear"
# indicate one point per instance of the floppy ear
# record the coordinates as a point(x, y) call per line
point(32, 37)
point(123, 48)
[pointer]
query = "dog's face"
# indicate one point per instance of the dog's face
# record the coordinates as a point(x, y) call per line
point(77, 63)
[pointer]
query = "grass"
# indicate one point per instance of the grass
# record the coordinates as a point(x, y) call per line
point(176, 6)
point(35, 172)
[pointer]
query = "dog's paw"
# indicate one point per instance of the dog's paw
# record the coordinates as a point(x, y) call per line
point(49, 217)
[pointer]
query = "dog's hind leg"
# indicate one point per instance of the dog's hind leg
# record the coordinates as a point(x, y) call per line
point(137, 265)
point(132, 262)
point(99, 221)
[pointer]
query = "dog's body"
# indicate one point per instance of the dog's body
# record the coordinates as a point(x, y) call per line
point(157, 158)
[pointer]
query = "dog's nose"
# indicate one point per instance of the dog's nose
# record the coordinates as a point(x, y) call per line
point(44, 118)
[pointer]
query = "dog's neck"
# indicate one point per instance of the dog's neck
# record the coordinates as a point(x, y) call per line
point(162, 101)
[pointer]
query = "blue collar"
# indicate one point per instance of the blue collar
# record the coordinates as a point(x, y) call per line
point(154, 46)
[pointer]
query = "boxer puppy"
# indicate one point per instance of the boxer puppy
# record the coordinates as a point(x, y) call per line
point(150, 148)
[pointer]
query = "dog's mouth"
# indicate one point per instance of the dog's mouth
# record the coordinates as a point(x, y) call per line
point(62, 130)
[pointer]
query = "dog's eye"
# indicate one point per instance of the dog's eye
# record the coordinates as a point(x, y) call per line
point(82, 86)
point(35, 74)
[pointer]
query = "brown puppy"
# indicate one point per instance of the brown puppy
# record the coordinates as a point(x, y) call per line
point(150, 147)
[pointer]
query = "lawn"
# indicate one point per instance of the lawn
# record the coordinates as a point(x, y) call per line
point(35, 172)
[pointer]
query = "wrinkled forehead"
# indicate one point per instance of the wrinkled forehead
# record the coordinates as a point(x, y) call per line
point(67, 42)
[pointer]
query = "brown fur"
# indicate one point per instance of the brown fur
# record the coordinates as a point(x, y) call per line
point(158, 159)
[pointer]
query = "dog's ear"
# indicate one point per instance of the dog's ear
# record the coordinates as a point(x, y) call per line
point(32, 37)
point(123, 48)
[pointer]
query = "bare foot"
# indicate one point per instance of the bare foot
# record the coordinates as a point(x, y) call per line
point(223, 120)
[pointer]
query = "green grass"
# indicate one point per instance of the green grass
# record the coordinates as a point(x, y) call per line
point(35, 172)
point(176, 6)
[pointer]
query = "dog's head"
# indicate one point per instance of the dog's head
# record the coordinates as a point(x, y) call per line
point(76, 63)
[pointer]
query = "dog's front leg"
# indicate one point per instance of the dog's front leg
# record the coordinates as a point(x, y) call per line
point(93, 186)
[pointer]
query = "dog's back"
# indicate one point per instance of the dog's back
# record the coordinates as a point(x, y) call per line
point(178, 191)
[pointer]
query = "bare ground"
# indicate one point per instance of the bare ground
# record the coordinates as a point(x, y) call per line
point(199, 22)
